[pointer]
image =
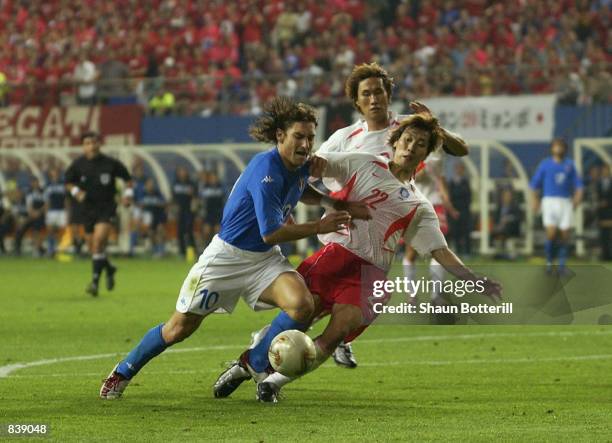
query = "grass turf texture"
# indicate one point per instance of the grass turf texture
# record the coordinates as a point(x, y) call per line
point(536, 383)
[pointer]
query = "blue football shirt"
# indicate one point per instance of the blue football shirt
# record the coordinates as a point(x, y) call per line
point(262, 198)
point(556, 179)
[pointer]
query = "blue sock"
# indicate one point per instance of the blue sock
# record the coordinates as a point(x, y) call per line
point(133, 240)
point(258, 356)
point(563, 249)
point(151, 345)
point(549, 248)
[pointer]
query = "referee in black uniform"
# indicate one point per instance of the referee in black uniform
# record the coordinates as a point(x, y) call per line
point(90, 179)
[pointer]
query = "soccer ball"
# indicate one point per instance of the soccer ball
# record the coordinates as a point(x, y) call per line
point(292, 353)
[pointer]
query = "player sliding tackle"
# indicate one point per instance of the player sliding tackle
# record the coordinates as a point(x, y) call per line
point(369, 88)
point(244, 259)
point(334, 273)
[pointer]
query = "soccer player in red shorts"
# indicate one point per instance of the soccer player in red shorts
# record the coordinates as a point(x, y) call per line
point(340, 275)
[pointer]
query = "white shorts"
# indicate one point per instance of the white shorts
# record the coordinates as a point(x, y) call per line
point(55, 218)
point(557, 212)
point(224, 273)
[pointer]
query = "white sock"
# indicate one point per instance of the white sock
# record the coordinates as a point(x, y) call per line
point(409, 269)
point(436, 274)
point(279, 379)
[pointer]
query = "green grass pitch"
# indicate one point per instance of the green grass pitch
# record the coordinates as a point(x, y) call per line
point(414, 383)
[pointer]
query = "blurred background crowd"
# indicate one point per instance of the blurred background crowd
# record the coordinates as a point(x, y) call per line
point(185, 223)
point(205, 57)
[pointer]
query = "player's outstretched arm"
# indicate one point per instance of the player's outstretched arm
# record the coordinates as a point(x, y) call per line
point(455, 266)
point(333, 222)
point(535, 200)
point(357, 210)
point(453, 144)
point(578, 194)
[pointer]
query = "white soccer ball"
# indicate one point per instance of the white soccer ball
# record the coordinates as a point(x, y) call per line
point(292, 353)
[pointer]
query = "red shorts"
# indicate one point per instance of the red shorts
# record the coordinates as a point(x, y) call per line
point(338, 276)
point(441, 213)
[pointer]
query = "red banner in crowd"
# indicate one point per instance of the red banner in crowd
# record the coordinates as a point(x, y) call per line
point(34, 126)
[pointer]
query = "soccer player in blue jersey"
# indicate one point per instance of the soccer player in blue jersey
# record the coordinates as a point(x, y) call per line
point(558, 183)
point(244, 259)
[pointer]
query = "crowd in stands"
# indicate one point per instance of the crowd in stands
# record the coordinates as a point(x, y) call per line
point(212, 56)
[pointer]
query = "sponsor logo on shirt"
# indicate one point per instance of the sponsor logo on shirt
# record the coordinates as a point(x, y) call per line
point(105, 178)
point(267, 179)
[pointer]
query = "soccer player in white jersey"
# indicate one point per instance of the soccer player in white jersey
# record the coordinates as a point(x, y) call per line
point(354, 259)
point(244, 259)
point(369, 89)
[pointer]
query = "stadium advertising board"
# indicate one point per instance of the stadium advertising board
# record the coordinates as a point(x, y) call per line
point(523, 118)
point(33, 126)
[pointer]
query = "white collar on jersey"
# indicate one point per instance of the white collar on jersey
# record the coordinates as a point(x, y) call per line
point(393, 118)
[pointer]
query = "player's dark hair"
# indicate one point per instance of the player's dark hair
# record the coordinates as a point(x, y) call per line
point(362, 72)
point(419, 121)
point(280, 113)
point(561, 142)
point(90, 134)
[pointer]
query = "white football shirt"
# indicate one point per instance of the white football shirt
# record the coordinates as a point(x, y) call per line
point(397, 209)
point(358, 138)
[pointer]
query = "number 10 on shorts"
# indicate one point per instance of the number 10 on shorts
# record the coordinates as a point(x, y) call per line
point(208, 299)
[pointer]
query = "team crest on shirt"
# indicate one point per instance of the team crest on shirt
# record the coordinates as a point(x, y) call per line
point(105, 178)
point(559, 178)
point(404, 193)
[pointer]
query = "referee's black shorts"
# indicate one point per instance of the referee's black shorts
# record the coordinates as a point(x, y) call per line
point(102, 213)
point(76, 213)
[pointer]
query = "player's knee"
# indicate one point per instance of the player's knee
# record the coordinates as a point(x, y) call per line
point(301, 307)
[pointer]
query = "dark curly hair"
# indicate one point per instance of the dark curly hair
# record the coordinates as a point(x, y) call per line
point(419, 121)
point(280, 113)
point(362, 72)
point(90, 134)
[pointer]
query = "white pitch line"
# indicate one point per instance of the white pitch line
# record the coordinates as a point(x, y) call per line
point(6, 370)
point(475, 361)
